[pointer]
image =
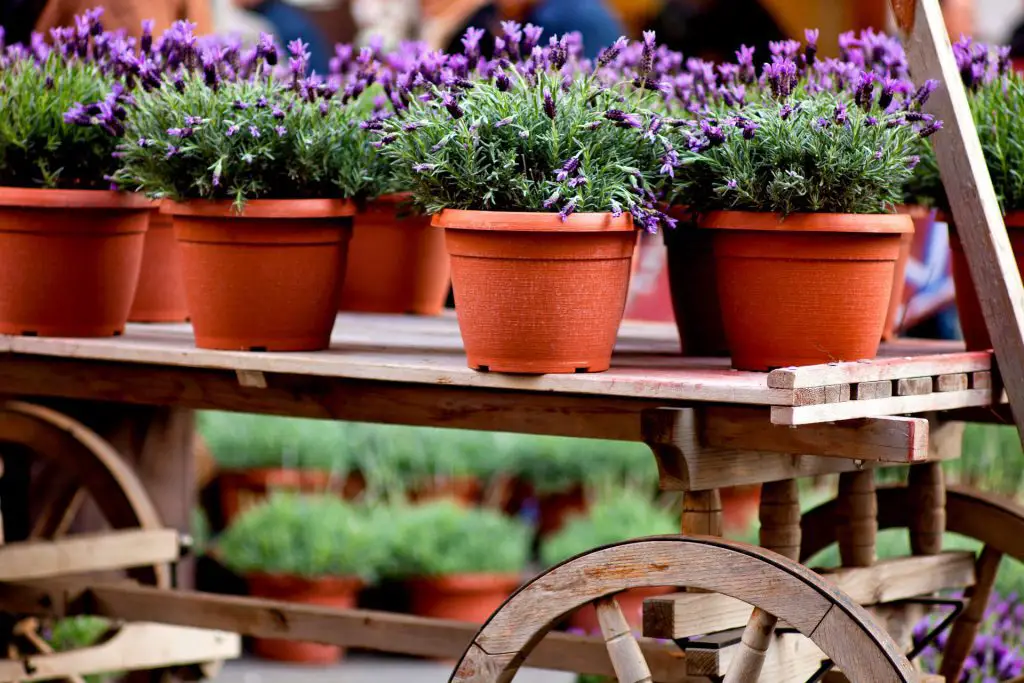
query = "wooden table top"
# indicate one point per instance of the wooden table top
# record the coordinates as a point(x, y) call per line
point(424, 350)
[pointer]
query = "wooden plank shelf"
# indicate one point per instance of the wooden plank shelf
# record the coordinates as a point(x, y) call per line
point(684, 615)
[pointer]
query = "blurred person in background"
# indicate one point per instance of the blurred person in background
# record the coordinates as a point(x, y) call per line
point(21, 17)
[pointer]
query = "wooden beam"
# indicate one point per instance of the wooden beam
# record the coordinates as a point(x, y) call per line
point(896, 405)
point(890, 439)
point(85, 553)
point(879, 369)
point(365, 629)
point(971, 194)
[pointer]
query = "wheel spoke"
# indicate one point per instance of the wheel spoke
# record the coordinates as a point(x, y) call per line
point(757, 638)
point(62, 498)
point(965, 628)
point(627, 659)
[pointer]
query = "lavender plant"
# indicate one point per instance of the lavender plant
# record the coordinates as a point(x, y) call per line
point(230, 128)
point(996, 95)
point(806, 136)
point(998, 650)
point(42, 88)
point(532, 130)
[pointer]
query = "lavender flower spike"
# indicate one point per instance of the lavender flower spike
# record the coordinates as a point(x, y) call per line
point(549, 104)
point(811, 51)
point(610, 54)
point(471, 42)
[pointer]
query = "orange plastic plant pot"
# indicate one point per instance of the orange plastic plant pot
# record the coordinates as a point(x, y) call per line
point(69, 260)
point(266, 279)
point(810, 289)
point(463, 597)
point(534, 294)
point(396, 263)
point(160, 295)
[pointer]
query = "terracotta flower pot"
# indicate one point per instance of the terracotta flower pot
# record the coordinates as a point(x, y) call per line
point(241, 489)
point(69, 260)
point(160, 295)
point(631, 602)
point(813, 288)
point(972, 322)
point(463, 597)
point(396, 263)
point(336, 592)
point(691, 273)
point(740, 507)
point(921, 217)
point(267, 279)
point(537, 295)
point(466, 491)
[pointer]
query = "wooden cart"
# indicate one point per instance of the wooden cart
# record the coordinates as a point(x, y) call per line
point(742, 613)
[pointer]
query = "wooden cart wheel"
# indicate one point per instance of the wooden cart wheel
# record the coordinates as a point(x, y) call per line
point(777, 586)
point(79, 463)
point(997, 524)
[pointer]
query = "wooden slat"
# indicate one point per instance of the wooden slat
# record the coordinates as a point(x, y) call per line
point(879, 369)
point(972, 197)
point(85, 553)
point(683, 615)
point(365, 629)
point(835, 393)
point(789, 657)
point(892, 439)
point(897, 405)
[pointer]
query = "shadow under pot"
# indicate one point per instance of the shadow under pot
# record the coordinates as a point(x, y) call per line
point(972, 320)
point(397, 261)
point(805, 289)
point(537, 295)
point(264, 279)
point(69, 260)
point(694, 290)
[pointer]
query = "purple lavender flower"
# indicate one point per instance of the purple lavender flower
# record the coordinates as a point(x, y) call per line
point(732, 184)
point(568, 168)
point(781, 76)
point(471, 42)
point(567, 210)
point(77, 115)
point(266, 49)
point(841, 115)
point(502, 81)
point(924, 92)
point(931, 129)
point(623, 120)
point(811, 50)
point(146, 42)
point(180, 132)
point(552, 200)
point(423, 168)
point(712, 132)
point(281, 131)
point(647, 54)
point(277, 113)
point(610, 54)
point(513, 36)
point(232, 129)
point(549, 104)
point(532, 35)
point(452, 105)
point(745, 60)
point(501, 123)
point(172, 151)
point(254, 131)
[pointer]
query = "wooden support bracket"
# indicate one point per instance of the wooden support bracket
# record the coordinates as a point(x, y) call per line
point(972, 196)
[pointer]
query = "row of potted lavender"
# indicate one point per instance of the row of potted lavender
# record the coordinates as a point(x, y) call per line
point(775, 187)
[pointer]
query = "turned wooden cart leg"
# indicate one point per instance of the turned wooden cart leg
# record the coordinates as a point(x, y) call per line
point(780, 532)
point(702, 513)
point(926, 487)
point(858, 529)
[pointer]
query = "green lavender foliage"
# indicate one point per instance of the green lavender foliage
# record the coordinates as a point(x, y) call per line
point(379, 176)
point(997, 108)
point(308, 536)
point(504, 152)
point(802, 160)
point(443, 538)
point(279, 146)
point(554, 464)
point(37, 148)
point(620, 515)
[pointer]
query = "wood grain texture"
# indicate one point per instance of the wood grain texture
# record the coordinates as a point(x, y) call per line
point(862, 391)
point(85, 553)
point(927, 488)
point(914, 386)
point(789, 657)
point(623, 649)
point(904, 577)
point(972, 197)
